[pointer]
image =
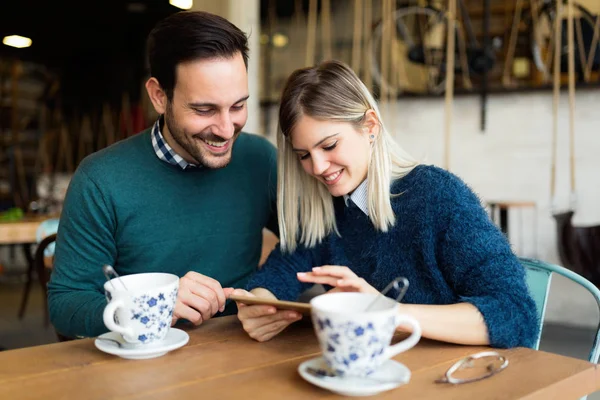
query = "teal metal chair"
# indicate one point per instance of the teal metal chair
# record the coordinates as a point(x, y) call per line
point(539, 276)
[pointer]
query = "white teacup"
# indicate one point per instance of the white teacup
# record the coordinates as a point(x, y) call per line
point(141, 313)
point(356, 342)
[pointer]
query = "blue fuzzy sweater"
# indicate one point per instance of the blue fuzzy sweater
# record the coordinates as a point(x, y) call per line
point(443, 242)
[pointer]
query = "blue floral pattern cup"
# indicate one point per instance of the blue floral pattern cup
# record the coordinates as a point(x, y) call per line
point(141, 313)
point(355, 342)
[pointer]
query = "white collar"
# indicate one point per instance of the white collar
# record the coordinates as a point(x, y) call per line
point(359, 197)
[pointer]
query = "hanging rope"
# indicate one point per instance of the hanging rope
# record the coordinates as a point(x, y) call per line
point(21, 195)
point(551, 48)
point(463, 58)
point(571, 49)
point(536, 35)
point(555, 96)
point(311, 34)
point(298, 13)
point(395, 58)
point(357, 35)
point(368, 49)
point(596, 37)
point(385, 18)
point(512, 43)
point(326, 28)
point(421, 24)
point(449, 95)
point(65, 153)
point(580, 45)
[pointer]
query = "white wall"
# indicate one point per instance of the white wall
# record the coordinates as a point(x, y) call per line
point(511, 161)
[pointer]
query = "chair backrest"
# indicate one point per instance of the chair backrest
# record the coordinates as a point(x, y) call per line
point(539, 276)
point(45, 229)
point(40, 258)
point(43, 270)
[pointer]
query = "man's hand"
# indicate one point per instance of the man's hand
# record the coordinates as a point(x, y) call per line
point(199, 298)
point(263, 322)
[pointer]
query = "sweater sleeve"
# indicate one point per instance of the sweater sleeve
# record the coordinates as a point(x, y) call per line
point(480, 266)
point(278, 274)
point(85, 242)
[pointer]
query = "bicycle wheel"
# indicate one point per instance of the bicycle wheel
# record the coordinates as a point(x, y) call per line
point(542, 38)
point(417, 51)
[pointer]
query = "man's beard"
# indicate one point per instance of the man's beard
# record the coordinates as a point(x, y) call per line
point(193, 146)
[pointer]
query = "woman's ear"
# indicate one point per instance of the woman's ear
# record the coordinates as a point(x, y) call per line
point(371, 125)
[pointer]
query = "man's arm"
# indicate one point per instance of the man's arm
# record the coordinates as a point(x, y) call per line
point(85, 242)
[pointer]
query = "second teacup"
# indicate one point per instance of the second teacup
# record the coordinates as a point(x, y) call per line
point(356, 342)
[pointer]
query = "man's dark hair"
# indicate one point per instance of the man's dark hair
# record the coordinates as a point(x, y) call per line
point(189, 36)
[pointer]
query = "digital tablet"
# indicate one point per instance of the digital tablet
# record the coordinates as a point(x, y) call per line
point(303, 308)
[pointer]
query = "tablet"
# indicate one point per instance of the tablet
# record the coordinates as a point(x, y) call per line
point(303, 308)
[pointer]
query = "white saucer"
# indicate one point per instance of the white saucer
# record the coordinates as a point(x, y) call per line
point(389, 376)
point(175, 339)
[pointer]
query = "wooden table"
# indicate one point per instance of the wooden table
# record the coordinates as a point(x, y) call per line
point(222, 362)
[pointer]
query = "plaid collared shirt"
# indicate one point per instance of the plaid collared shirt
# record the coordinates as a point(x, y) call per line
point(164, 151)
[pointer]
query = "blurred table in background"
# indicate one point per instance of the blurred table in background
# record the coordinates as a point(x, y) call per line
point(23, 232)
point(499, 213)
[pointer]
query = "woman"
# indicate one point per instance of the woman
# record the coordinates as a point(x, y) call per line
point(355, 212)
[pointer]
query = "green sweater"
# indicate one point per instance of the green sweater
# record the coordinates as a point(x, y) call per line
point(127, 208)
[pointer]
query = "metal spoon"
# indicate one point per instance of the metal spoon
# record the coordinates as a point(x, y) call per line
point(395, 284)
point(108, 270)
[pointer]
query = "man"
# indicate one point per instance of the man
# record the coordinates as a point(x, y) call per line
point(189, 196)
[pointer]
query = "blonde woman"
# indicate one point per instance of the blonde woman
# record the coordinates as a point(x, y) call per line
point(355, 212)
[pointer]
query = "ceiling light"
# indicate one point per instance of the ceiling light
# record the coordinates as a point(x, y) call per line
point(17, 41)
point(280, 40)
point(183, 4)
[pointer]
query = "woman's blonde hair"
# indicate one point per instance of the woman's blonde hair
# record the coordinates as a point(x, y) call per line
point(330, 91)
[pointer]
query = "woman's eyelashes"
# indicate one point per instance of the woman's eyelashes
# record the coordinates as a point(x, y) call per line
point(330, 147)
point(326, 148)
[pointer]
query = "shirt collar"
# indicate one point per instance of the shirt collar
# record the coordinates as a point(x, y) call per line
point(359, 197)
point(163, 151)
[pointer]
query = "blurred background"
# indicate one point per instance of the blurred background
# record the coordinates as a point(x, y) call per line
point(463, 84)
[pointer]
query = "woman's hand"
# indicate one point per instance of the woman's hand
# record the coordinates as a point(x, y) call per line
point(263, 322)
point(341, 278)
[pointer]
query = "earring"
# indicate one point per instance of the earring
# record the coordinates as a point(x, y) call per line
point(371, 136)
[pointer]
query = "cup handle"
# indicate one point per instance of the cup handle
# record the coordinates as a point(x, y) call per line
point(109, 318)
point(410, 341)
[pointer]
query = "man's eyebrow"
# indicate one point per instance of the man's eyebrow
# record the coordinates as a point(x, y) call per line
point(318, 143)
point(198, 105)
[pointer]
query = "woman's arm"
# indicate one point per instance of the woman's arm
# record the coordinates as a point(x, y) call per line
point(460, 323)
